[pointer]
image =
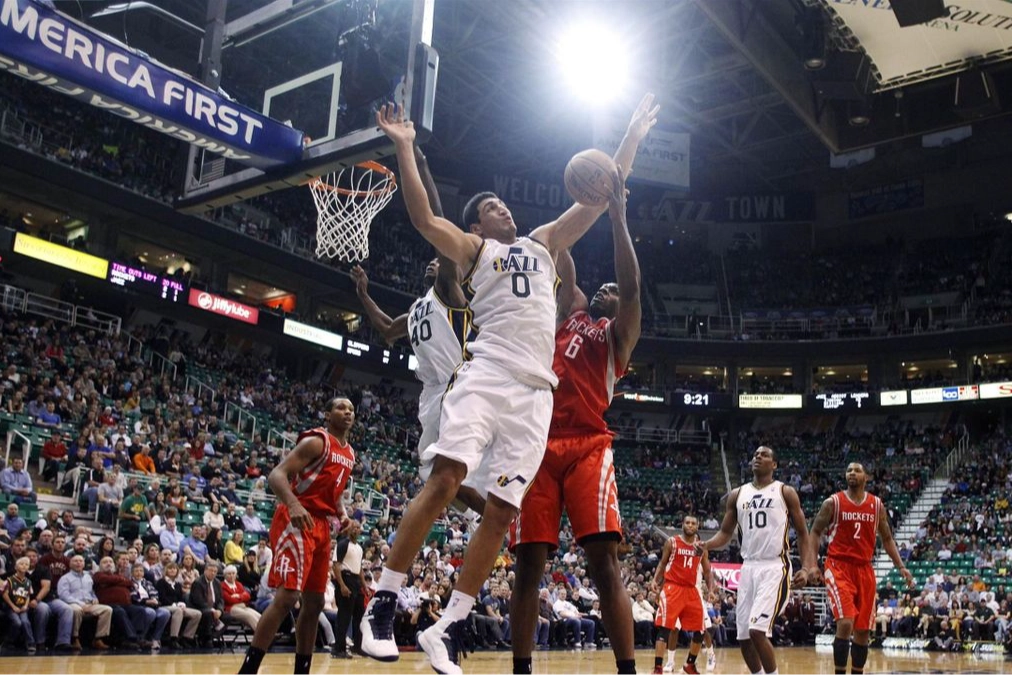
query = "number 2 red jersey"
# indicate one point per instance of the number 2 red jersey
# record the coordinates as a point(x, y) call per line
point(854, 528)
point(683, 564)
point(320, 484)
point(585, 362)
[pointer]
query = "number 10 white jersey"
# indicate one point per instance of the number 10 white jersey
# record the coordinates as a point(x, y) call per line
point(762, 522)
point(511, 295)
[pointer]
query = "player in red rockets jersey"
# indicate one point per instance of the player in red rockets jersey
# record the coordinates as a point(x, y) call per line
point(593, 344)
point(680, 599)
point(308, 484)
point(852, 519)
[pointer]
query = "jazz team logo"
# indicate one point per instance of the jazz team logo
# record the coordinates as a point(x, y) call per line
point(516, 261)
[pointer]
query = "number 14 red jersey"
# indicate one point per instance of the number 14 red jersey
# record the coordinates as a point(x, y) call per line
point(854, 528)
point(683, 564)
point(585, 363)
point(319, 486)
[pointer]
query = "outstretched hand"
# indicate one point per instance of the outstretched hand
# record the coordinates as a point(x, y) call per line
point(361, 280)
point(644, 118)
point(390, 119)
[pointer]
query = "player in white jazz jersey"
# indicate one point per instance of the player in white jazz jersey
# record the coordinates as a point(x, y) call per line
point(498, 406)
point(437, 325)
point(759, 512)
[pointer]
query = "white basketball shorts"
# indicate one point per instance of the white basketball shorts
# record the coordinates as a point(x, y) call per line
point(430, 407)
point(763, 591)
point(497, 427)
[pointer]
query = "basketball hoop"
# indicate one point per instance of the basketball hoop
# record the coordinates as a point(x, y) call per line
point(346, 203)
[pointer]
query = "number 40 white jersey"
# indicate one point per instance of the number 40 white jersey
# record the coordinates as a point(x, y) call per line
point(762, 522)
point(437, 332)
point(511, 295)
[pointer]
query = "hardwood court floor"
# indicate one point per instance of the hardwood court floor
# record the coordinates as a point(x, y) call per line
point(791, 660)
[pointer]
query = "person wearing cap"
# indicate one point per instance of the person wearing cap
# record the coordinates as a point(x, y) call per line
point(250, 572)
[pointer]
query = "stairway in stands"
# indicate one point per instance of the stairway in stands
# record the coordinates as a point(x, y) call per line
point(907, 529)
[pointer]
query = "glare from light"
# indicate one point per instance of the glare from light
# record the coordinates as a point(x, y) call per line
point(594, 62)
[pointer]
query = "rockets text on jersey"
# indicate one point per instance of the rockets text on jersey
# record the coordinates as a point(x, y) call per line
point(511, 296)
point(854, 528)
point(585, 364)
point(319, 486)
point(683, 564)
point(437, 332)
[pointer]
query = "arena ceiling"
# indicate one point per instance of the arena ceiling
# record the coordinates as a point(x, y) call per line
point(730, 72)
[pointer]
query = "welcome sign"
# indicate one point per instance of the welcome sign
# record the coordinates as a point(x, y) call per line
point(47, 47)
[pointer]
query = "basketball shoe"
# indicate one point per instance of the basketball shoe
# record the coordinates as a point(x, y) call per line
point(444, 648)
point(711, 659)
point(378, 627)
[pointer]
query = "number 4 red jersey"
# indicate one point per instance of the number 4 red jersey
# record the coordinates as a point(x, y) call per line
point(854, 528)
point(587, 367)
point(683, 564)
point(319, 486)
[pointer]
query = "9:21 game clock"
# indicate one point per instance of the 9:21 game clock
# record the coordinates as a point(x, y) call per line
point(698, 401)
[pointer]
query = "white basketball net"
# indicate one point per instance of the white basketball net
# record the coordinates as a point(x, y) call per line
point(346, 202)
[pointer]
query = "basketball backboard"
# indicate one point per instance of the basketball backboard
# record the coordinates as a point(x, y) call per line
point(322, 66)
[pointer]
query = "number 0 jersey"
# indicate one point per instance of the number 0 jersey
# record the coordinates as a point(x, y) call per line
point(319, 486)
point(585, 363)
point(762, 522)
point(437, 333)
point(683, 568)
point(854, 528)
point(511, 296)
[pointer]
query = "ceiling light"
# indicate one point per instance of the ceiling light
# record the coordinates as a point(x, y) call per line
point(593, 61)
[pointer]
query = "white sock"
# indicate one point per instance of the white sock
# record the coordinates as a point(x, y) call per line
point(390, 581)
point(671, 655)
point(457, 608)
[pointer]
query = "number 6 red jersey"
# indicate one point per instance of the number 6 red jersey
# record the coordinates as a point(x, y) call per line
point(319, 486)
point(854, 528)
point(585, 363)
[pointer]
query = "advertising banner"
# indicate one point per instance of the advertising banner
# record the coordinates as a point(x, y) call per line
point(662, 158)
point(896, 397)
point(996, 390)
point(317, 336)
point(728, 575)
point(55, 51)
point(972, 30)
point(61, 256)
point(770, 401)
point(209, 302)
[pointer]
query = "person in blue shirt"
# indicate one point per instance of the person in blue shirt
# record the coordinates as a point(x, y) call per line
point(16, 483)
point(195, 545)
point(49, 417)
point(14, 523)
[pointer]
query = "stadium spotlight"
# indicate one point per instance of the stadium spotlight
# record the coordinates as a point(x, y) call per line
point(813, 36)
point(858, 113)
point(593, 61)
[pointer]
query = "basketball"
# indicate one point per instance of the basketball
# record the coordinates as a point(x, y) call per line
point(589, 177)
